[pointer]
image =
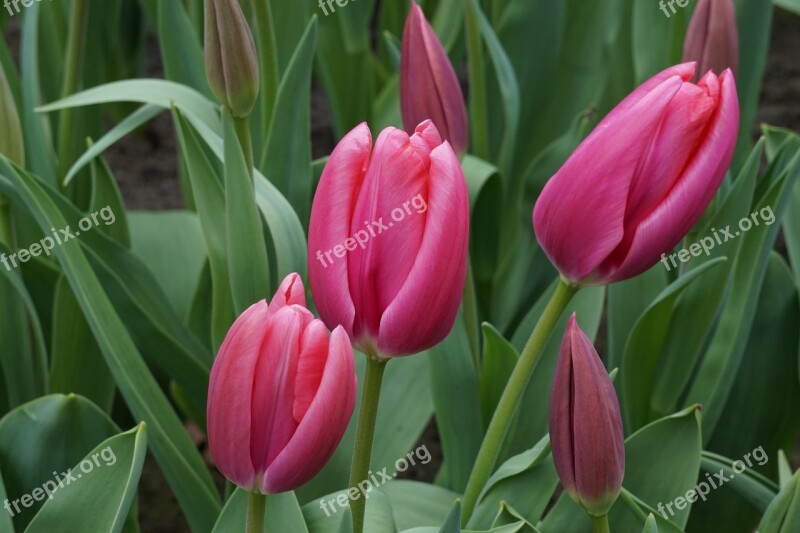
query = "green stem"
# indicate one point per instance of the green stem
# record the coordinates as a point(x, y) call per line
point(242, 126)
point(256, 504)
point(600, 524)
point(365, 432)
point(477, 84)
point(517, 382)
point(79, 19)
point(471, 316)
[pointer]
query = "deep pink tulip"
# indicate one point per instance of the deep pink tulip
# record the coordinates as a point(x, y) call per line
point(585, 425)
point(387, 241)
point(429, 87)
point(281, 394)
point(712, 38)
point(638, 183)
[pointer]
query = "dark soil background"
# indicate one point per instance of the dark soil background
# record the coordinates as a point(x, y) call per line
point(146, 167)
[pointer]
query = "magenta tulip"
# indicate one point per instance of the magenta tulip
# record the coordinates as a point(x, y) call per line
point(585, 425)
point(638, 183)
point(429, 87)
point(281, 394)
point(712, 38)
point(387, 241)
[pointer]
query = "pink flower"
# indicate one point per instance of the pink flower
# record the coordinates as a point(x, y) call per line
point(429, 87)
point(387, 241)
point(712, 38)
point(281, 394)
point(585, 425)
point(638, 183)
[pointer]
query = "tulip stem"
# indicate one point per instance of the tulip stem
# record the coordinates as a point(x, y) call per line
point(517, 383)
point(242, 127)
point(256, 505)
point(365, 432)
point(600, 524)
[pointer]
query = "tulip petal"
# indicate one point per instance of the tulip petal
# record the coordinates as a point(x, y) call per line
point(229, 408)
point(290, 292)
point(396, 174)
point(323, 425)
point(685, 203)
point(435, 283)
point(579, 216)
point(274, 384)
point(330, 226)
point(310, 366)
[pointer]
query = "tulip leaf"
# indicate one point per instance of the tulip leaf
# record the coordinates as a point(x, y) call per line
point(355, 24)
point(322, 516)
point(783, 513)
point(453, 522)
point(6, 525)
point(486, 197)
point(173, 449)
point(106, 201)
point(508, 516)
point(789, 5)
point(418, 504)
point(657, 40)
point(248, 266)
point(757, 489)
point(282, 513)
point(650, 525)
point(110, 479)
point(346, 523)
point(526, 482)
point(51, 433)
point(180, 47)
point(286, 157)
point(642, 355)
point(499, 359)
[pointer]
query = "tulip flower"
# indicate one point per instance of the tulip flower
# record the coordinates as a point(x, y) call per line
point(585, 425)
point(712, 39)
point(638, 183)
point(387, 241)
point(231, 59)
point(429, 87)
point(281, 394)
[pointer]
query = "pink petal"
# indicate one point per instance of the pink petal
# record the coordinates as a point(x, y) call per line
point(290, 292)
point(313, 354)
point(560, 412)
point(396, 174)
point(579, 216)
point(423, 312)
point(329, 226)
point(323, 425)
point(230, 393)
point(685, 203)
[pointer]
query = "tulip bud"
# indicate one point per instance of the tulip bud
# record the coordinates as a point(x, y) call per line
point(387, 241)
point(230, 56)
point(11, 140)
point(585, 425)
point(712, 38)
point(281, 394)
point(429, 87)
point(638, 183)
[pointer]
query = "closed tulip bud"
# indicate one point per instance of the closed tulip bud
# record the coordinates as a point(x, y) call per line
point(281, 394)
point(387, 241)
point(585, 425)
point(11, 141)
point(712, 39)
point(230, 56)
point(638, 183)
point(429, 87)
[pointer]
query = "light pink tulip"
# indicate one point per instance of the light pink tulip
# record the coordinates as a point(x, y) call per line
point(638, 183)
point(387, 241)
point(281, 394)
point(585, 425)
point(712, 38)
point(429, 87)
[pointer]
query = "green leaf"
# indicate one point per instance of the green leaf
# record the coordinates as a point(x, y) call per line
point(282, 513)
point(453, 522)
point(180, 47)
point(321, 515)
point(173, 449)
point(48, 434)
point(6, 525)
point(486, 197)
point(107, 202)
point(112, 484)
point(756, 488)
point(650, 525)
point(784, 469)
point(783, 514)
point(789, 5)
point(418, 504)
point(499, 359)
point(248, 265)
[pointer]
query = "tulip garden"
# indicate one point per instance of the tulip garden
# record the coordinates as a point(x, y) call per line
point(429, 266)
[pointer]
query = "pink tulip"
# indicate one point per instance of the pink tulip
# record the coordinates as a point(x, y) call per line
point(281, 394)
point(712, 38)
point(638, 183)
point(387, 241)
point(585, 425)
point(429, 87)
